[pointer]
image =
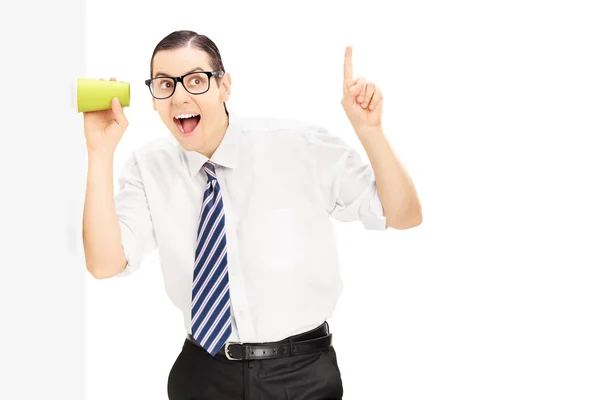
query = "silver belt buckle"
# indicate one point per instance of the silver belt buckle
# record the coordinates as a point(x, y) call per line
point(227, 351)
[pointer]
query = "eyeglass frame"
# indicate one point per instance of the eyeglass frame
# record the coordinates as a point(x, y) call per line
point(178, 79)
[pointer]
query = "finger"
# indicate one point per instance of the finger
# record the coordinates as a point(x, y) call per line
point(369, 91)
point(377, 98)
point(361, 94)
point(348, 70)
point(356, 89)
point(119, 113)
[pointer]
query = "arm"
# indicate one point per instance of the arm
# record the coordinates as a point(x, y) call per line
point(363, 104)
point(401, 205)
point(104, 254)
point(118, 229)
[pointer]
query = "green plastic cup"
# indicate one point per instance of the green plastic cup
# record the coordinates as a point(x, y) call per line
point(97, 94)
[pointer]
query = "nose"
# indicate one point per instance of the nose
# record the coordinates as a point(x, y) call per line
point(180, 95)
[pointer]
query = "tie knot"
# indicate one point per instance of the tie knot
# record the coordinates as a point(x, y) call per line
point(209, 168)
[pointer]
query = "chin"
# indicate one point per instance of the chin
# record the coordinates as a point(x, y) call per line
point(192, 141)
point(189, 146)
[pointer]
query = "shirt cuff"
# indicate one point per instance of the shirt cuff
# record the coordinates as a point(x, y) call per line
point(371, 211)
point(131, 253)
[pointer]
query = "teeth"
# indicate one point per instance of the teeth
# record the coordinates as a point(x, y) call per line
point(186, 116)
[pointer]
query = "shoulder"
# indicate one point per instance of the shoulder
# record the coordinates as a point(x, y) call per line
point(157, 150)
point(269, 126)
point(161, 145)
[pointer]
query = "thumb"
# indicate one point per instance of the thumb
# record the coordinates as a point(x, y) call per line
point(119, 113)
point(355, 90)
point(351, 93)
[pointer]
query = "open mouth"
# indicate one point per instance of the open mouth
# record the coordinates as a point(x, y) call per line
point(187, 122)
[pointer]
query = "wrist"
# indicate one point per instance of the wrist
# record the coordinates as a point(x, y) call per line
point(100, 155)
point(369, 133)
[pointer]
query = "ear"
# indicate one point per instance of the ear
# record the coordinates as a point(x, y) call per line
point(154, 104)
point(225, 89)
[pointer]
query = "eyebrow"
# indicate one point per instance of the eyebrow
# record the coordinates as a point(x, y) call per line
point(189, 72)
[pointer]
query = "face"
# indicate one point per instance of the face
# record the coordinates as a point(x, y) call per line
point(204, 131)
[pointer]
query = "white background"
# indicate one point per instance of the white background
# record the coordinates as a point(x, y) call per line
point(42, 176)
point(492, 107)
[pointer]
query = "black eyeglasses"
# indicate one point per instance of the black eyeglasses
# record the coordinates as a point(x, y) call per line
point(163, 87)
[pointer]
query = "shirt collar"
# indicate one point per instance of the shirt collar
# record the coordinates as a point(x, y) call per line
point(226, 154)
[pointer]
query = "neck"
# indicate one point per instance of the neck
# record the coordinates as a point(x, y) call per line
point(216, 136)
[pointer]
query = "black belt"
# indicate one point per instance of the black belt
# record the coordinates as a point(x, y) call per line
point(312, 341)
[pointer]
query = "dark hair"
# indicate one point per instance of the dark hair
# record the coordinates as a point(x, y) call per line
point(183, 38)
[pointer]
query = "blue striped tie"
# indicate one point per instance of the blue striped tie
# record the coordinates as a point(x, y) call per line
point(211, 312)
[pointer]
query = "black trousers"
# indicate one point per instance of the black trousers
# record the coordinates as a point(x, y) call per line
point(196, 375)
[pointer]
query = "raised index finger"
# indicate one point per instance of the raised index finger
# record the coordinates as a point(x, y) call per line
point(348, 73)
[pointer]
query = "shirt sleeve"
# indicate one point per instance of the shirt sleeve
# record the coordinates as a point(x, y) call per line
point(347, 182)
point(137, 232)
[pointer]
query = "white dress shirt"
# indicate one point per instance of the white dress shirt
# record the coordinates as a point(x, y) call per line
point(281, 181)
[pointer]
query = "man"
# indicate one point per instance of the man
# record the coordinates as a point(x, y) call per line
point(239, 210)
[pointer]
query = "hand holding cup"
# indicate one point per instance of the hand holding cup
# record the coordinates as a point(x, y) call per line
point(103, 127)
